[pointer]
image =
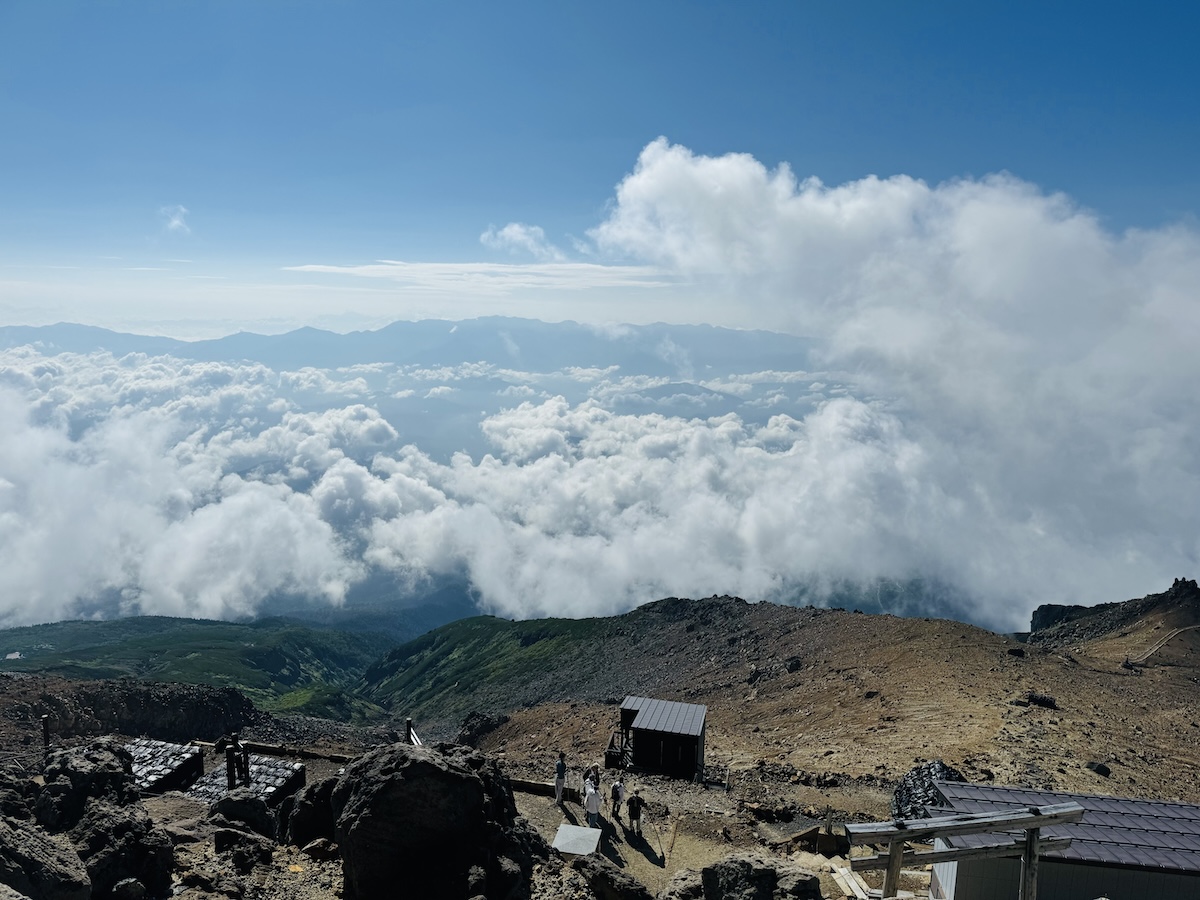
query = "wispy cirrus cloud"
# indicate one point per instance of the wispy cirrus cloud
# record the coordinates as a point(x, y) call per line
point(500, 278)
point(175, 219)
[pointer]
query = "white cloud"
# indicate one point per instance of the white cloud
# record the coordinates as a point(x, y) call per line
point(525, 238)
point(1000, 400)
point(498, 279)
point(175, 219)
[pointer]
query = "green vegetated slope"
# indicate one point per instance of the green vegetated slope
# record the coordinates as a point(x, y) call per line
point(283, 666)
point(480, 662)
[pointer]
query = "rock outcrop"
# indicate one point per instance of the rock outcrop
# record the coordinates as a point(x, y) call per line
point(41, 867)
point(431, 822)
point(745, 877)
point(86, 831)
point(607, 882)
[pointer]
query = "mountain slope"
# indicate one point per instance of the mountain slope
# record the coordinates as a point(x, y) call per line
point(280, 664)
point(815, 690)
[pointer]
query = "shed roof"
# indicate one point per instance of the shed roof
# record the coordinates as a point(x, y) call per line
point(666, 715)
point(1116, 831)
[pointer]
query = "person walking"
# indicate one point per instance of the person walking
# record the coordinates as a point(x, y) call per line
point(618, 797)
point(591, 803)
point(560, 777)
point(634, 805)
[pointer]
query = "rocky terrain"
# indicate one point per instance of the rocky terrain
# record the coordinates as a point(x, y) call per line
point(810, 712)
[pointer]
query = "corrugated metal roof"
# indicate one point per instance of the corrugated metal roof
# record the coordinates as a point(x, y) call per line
point(1114, 830)
point(667, 716)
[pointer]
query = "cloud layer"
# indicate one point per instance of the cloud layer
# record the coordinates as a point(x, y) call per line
point(1002, 404)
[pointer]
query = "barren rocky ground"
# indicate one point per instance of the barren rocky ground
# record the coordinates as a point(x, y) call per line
point(807, 710)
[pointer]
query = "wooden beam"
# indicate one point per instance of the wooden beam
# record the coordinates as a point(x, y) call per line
point(895, 862)
point(1029, 865)
point(925, 857)
point(964, 823)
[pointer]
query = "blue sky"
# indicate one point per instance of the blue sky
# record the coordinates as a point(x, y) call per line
point(167, 167)
point(982, 219)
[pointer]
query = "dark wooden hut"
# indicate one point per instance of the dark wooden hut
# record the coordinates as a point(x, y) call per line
point(663, 736)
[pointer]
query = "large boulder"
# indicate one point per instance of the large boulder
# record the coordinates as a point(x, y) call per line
point(745, 877)
point(608, 882)
point(247, 807)
point(89, 793)
point(101, 769)
point(311, 816)
point(118, 843)
point(40, 866)
point(431, 822)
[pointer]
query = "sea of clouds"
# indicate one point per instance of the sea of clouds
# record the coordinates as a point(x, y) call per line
point(1002, 399)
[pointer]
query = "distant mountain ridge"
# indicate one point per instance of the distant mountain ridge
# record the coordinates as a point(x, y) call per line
point(651, 349)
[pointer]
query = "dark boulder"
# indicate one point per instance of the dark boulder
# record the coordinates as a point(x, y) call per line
point(118, 843)
point(98, 770)
point(476, 726)
point(745, 877)
point(40, 866)
point(245, 849)
point(129, 889)
point(247, 807)
point(311, 815)
point(607, 881)
point(431, 822)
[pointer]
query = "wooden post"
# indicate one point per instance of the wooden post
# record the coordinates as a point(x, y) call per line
point(231, 767)
point(891, 881)
point(1029, 865)
point(408, 732)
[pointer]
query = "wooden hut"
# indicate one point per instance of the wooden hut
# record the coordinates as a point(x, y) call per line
point(663, 736)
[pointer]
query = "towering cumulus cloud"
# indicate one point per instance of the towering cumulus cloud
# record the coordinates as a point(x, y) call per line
point(998, 402)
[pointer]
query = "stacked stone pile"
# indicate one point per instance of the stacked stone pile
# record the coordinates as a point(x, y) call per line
point(159, 766)
point(916, 792)
point(270, 778)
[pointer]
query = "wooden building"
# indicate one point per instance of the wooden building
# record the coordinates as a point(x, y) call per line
point(1121, 848)
point(662, 736)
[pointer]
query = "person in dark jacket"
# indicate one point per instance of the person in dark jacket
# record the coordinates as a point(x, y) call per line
point(560, 777)
point(634, 805)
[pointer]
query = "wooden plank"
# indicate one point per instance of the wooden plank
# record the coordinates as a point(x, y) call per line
point(964, 823)
point(925, 857)
point(841, 882)
point(850, 883)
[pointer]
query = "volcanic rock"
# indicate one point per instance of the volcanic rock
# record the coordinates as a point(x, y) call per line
point(431, 821)
point(311, 815)
point(40, 866)
point(117, 843)
point(98, 770)
point(607, 881)
point(745, 877)
point(244, 805)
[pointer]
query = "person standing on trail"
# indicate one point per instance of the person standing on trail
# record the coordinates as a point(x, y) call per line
point(592, 804)
point(635, 805)
point(560, 777)
point(618, 796)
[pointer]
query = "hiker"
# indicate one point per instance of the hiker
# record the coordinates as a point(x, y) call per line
point(560, 777)
point(592, 804)
point(618, 796)
point(634, 805)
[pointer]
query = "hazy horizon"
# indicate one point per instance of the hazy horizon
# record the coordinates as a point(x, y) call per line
point(978, 226)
